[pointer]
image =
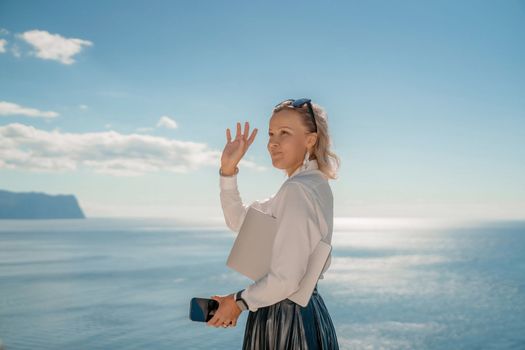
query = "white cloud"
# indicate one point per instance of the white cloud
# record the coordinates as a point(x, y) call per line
point(3, 43)
point(15, 50)
point(3, 31)
point(166, 122)
point(54, 46)
point(28, 148)
point(8, 108)
point(83, 107)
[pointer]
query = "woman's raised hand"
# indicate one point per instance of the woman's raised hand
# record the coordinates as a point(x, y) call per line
point(236, 148)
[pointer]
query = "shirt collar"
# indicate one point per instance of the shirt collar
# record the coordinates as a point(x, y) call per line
point(312, 165)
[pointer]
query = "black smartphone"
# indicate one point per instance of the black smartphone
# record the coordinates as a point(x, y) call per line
point(203, 309)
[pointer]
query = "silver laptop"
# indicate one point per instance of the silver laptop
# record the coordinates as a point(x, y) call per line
point(252, 250)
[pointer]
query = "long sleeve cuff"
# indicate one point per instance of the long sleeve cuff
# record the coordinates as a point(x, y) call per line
point(228, 182)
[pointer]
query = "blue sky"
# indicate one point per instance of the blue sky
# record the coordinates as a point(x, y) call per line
point(125, 103)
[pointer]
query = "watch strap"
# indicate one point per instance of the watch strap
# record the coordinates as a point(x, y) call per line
point(240, 301)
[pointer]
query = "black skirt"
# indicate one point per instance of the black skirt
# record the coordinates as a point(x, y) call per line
point(287, 325)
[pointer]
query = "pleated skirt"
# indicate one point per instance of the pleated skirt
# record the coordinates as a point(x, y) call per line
point(287, 325)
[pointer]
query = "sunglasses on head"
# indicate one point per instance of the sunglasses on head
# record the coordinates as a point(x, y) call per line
point(299, 103)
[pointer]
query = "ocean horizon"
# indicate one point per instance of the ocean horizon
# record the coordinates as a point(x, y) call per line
point(394, 283)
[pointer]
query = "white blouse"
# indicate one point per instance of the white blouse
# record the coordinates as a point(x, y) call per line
point(303, 208)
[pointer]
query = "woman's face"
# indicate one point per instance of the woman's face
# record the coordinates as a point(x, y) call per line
point(288, 140)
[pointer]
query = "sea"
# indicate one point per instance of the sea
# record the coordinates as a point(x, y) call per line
point(394, 283)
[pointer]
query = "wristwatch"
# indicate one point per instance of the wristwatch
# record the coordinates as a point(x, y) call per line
point(235, 173)
point(240, 301)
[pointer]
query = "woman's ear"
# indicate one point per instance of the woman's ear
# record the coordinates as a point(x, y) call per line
point(311, 139)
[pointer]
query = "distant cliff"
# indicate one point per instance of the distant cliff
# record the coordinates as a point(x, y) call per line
point(34, 205)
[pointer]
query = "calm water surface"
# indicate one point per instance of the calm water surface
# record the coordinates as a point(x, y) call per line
point(126, 284)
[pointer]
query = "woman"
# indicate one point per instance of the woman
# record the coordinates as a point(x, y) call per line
point(299, 144)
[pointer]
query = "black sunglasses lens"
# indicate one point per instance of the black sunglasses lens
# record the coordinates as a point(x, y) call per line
point(296, 103)
point(300, 102)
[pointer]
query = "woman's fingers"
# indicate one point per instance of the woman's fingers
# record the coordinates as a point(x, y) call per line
point(222, 317)
point(246, 130)
point(249, 140)
point(213, 320)
point(216, 316)
point(222, 322)
point(242, 137)
point(216, 321)
point(252, 136)
point(238, 135)
point(225, 323)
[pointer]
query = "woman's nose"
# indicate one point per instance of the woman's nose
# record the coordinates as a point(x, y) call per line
point(272, 145)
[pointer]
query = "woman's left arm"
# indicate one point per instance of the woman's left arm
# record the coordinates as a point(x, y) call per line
point(298, 232)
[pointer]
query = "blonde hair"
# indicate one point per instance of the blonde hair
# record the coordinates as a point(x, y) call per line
point(327, 160)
